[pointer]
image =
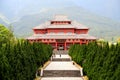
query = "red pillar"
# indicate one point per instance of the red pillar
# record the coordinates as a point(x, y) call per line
point(73, 42)
point(80, 42)
point(48, 42)
point(65, 45)
point(86, 41)
point(56, 45)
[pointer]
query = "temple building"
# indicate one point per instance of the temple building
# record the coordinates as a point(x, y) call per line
point(61, 32)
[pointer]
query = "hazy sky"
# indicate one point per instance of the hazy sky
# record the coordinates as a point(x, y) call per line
point(107, 8)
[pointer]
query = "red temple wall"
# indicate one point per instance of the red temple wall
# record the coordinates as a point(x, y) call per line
point(77, 31)
point(39, 31)
point(65, 44)
point(60, 30)
point(81, 31)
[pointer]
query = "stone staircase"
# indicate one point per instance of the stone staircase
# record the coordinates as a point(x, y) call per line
point(61, 59)
point(61, 68)
point(61, 73)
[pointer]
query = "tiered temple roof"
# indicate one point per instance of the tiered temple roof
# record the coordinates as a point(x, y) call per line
point(61, 18)
point(73, 24)
point(61, 36)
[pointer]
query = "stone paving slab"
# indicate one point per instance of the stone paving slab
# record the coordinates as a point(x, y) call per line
point(61, 59)
point(61, 73)
point(57, 65)
point(62, 78)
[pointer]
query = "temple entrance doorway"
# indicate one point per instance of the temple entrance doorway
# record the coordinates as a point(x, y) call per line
point(60, 46)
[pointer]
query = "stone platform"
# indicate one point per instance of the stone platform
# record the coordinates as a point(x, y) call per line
point(61, 68)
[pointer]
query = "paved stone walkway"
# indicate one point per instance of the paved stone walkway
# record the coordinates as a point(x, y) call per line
point(57, 65)
point(61, 70)
point(62, 78)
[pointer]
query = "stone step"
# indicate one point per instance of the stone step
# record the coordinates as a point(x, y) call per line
point(61, 59)
point(62, 78)
point(62, 53)
point(61, 73)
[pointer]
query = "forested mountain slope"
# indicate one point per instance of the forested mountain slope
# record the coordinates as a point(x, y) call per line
point(100, 26)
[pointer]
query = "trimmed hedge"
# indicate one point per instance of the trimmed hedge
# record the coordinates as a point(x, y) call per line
point(21, 59)
point(99, 61)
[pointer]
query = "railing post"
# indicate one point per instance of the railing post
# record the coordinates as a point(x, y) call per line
point(41, 74)
point(81, 71)
point(36, 73)
point(51, 57)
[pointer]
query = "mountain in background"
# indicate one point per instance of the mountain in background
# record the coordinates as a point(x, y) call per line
point(4, 20)
point(100, 26)
point(15, 9)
